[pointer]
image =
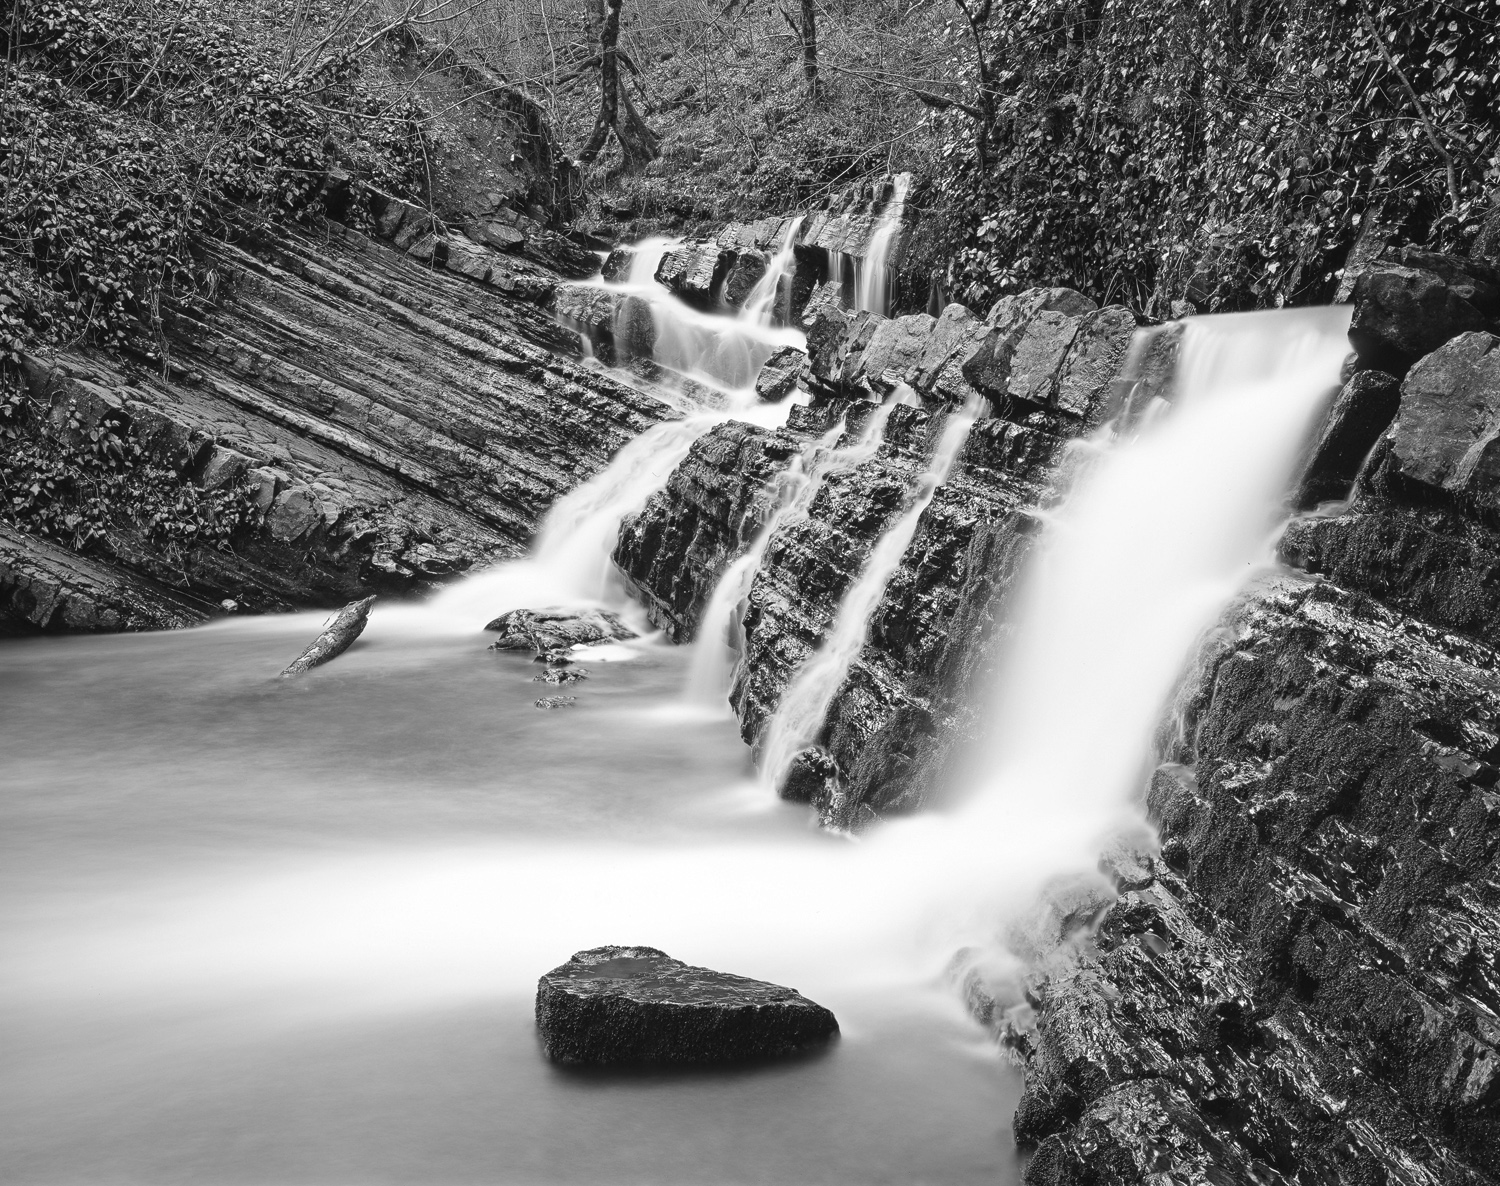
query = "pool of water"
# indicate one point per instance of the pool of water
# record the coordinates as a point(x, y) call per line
point(259, 931)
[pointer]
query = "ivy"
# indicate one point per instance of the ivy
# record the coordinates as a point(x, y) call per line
point(1223, 151)
point(126, 139)
point(75, 484)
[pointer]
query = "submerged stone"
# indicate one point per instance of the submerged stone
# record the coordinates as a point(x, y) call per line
point(561, 675)
point(551, 633)
point(637, 1005)
point(557, 701)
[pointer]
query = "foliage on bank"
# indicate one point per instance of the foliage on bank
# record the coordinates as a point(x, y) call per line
point(129, 130)
point(1227, 152)
point(76, 483)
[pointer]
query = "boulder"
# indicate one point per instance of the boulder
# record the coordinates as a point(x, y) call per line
point(811, 777)
point(335, 639)
point(778, 377)
point(1361, 412)
point(637, 1005)
point(1447, 432)
point(550, 632)
point(1402, 313)
point(695, 272)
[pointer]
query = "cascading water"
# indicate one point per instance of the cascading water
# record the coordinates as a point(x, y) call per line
point(719, 351)
point(803, 706)
point(872, 270)
point(570, 561)
point(1160, 529)
point(715, 650)
point(762, 306)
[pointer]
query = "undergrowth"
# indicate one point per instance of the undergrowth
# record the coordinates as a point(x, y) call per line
point(129, 131)
point(75, 484)
point(1227, 152)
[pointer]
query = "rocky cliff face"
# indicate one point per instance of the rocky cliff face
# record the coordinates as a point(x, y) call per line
point(379, 415)
point(1305, 984)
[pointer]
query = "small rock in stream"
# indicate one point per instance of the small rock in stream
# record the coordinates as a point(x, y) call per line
point(551, 633)
point(637, 1005)
point(561, 675)
point(556, 701)
point(335, 639)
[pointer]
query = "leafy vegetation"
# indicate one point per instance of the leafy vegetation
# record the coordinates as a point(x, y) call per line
point(129, 127)
point(1228, 153)
point(74, 484)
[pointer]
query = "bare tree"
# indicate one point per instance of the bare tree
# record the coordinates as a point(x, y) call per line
point(638, 143)
point(810, 46)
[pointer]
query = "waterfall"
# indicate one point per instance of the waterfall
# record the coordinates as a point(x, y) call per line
point(569, 563)
point(804, 705)
point(1160, 529)
point(724, 353)
point(761, 306)
point(715, 648)
point(872, 271)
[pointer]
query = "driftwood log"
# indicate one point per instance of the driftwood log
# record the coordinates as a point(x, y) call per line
point(335, 639)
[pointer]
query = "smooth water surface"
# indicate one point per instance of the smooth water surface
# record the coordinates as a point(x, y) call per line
point(288, 932)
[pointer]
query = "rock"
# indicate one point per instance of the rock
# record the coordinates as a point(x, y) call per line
point(617, 265)
point(812, 777)
point(1288, 998)
point(557, 701)
point(695, 272)
point(556, 630)
point(561, 675)
point(1402, 313)
point(1361, 412)
point(778, 377)
point(336, 638)
point(46, 587)
point(1447, 432)
point(637, 1005)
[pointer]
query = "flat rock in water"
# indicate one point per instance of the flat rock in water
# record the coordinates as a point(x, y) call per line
point(551, 632)
point(556, 701)
point(637, 1005)
point(335, 639)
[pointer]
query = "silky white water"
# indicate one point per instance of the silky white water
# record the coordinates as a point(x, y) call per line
point(762, 306)
point(1158, 532)
point(721, 352)
point(872, 270)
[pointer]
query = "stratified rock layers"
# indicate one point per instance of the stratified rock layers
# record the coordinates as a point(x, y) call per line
point(386, 422)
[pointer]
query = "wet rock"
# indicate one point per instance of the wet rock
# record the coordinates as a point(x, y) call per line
point(336, 638)
point(812, 777)
point(1362, 411)
point(548, 702)
point(778, 377)
point(696, 272)
point(1402, 313)
point(561, 675)
point(638, 1006)
point(553, 632)
point(1291, 997)
point(674, 551)
point(45, 587)
point(1447, 433)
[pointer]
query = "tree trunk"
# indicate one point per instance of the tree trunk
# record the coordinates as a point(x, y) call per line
point(637, 141)
point(810, 46)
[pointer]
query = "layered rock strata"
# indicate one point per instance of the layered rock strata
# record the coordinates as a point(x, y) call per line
point(381, 414)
